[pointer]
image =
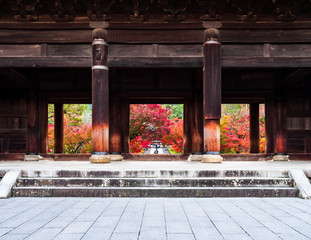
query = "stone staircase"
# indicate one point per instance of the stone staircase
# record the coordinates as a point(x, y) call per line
point(155, 183)
point(2, 173)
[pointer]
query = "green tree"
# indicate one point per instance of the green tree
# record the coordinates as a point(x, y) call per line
point(177, 110)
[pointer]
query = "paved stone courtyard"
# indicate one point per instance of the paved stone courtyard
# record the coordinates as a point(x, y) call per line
point(155, 218)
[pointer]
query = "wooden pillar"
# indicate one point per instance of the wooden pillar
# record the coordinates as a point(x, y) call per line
point(58, 128)
point(125, 126)
point(115, 138)
point(197, 118)
point(211, 96)
point(197, 133)
point(32, 137)
point(115, 126)
point(188, 123)
point(43, 123)
point(254, 127)
point(280, 130)
point(100, 97)
point(269, 126)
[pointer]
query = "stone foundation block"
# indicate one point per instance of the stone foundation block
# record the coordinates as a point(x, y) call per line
point(100, 159)
point(280, 158)
point(209, 158)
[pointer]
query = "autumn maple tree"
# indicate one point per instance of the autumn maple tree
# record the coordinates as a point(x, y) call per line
point(234, 128)
point(149, 122)
point(77, 131)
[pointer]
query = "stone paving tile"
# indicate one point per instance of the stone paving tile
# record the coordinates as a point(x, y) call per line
point(124, 236)
point(178, 227)
point(68, 236)
point(293, 236)
point(14, 237)
point(118, 218)
point(77, 227)
point(60, 221)
point(152, 236)
point(106, 222)
point(127, 226)
point(237, 236)
point(99, 233)
point(278, 227)
point(88, 216)
point(180, 236)
point(44, 234)
point(153, 222)
point(27, 228)
point(5, 230)
point(228, 227)
point(261, 233)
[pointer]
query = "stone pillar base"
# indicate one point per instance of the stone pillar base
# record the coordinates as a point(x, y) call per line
point(100, 158)
point(116, 157)
point(32, 157)
point(210, 158)
point(195, 157)
point(280, 157)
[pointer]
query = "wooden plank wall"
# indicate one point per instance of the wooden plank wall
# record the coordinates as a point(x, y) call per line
point(13, 124)
point(299, 125)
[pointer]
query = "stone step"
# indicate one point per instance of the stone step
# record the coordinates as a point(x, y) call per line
point(159, 173)
point(155, 182)
point(154, 192)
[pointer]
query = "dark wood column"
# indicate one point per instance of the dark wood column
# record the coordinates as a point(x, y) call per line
point(43, 123)
point(125, 125)
point(58, 128)
point(197, 117)
point(32, 137)
point(211, 95)
point(115, 126)
point(269, 125)
point(280, 130)
point(254, 127)
point(100, 97)
point(188, 124)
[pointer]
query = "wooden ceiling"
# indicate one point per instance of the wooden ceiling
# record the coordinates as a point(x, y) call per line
point(155, 10)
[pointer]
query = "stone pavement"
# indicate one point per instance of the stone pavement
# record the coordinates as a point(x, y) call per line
point(155, 218)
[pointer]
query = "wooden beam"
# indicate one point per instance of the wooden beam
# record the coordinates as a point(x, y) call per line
point(84, 23)
point(155, 36)
point(254, 127)
point(58, 128)
point(156, 62)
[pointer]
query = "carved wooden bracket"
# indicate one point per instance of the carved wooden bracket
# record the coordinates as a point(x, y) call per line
point(285, 10)
point(176, 9)
point(62, 10)
point(24, 10)
point(138, 9)
point(98, 10)
point(211, 10)
point(248, 10)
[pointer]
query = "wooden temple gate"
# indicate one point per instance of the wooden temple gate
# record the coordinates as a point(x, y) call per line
point(198, 53)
